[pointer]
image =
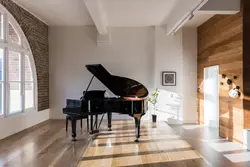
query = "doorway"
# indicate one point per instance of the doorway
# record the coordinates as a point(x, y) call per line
point(211, 96)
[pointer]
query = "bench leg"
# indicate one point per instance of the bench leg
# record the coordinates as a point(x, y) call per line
point(88, 124)
point(81, 123)
point(73, 126)
point(67, 120)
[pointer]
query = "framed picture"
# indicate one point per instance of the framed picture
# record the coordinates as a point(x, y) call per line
point(168, 78)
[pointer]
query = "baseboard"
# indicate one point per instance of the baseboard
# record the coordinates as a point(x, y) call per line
point(20, 122)
point(27, 130)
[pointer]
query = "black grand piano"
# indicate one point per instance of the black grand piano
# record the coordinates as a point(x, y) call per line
point(130, 100)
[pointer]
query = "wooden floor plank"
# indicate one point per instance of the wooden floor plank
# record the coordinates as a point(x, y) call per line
point(46, 145)
point(160, 145)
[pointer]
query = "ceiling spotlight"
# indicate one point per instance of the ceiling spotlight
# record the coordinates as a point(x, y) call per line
point(191, 16)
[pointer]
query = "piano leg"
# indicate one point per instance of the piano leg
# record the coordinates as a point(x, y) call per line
point(109, 120)
point(137, 128)
point(96, 124)
point(73, 125)
point(88, 124)
point(91, 125)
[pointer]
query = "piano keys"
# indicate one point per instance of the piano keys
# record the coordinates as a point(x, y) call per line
point(131, 100)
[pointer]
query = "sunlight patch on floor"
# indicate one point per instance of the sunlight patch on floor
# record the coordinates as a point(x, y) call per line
point(226, 146)
point(238, 157)
point(158, 145)
point(141, 159)
point(191, 127)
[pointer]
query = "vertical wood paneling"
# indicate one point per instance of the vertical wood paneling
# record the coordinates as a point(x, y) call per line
point(246, 62)
point(220, 43)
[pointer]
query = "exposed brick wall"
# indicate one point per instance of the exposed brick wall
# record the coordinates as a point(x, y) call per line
point(36, 33)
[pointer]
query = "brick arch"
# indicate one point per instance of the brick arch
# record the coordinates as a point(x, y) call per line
point(36, 33)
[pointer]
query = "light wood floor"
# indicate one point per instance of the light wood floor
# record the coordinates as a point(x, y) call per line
point(159, 146)
point(47, 144)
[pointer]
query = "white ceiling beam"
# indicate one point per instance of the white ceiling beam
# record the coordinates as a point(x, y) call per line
point(103, 39)
point(221, 7)
point(181, 13)
point(98, 15)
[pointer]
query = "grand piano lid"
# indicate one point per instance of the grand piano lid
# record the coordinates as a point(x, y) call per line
point(120, 86)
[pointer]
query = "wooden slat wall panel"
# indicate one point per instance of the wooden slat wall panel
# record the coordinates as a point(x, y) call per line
point(220, 42)
point(246, 62)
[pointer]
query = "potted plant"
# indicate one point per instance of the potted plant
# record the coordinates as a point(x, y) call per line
point(153, 100)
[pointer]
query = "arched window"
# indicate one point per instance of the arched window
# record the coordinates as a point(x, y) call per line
point(17, 69)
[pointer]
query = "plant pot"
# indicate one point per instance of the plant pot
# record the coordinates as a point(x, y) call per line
point(154, 118)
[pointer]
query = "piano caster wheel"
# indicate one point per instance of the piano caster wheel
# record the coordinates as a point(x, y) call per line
point(91, 133)
point(74, 139)
point(96, 131)
point(137, 140)
point(110, 129)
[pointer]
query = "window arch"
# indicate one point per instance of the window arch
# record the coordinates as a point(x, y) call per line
point(17, 68)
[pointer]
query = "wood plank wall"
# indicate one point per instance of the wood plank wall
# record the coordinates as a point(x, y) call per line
point(246, 62)
point(220, 42)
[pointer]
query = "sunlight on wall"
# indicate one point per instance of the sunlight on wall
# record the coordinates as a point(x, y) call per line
point(168, 106)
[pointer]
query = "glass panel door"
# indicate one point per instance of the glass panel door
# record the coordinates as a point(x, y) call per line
point(211, 96)
point(29, 95)
point(29, 84)
point(13, 35)
point(15, 98)
point(14, 85)
point(1, 98)
point(1, 81)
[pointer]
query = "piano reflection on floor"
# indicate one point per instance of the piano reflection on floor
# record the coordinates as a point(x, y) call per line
point(132, 101)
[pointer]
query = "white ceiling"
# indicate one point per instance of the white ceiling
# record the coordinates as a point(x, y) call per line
point(134, 13)
point(120, 13)
point(58, 12)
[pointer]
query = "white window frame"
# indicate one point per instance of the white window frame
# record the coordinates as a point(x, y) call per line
point(23, 49)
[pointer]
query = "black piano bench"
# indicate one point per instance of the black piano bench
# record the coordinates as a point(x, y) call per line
point(77, 118)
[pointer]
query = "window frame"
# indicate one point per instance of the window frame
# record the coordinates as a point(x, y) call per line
point(24, 49)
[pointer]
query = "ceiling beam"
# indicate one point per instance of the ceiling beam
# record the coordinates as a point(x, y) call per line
point(221, 7)
point(181, 13)
point(98, 15)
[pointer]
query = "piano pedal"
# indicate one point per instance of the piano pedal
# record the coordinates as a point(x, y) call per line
point(96, 131)
point(93, 132)
point(74, 139)
point(136, 140)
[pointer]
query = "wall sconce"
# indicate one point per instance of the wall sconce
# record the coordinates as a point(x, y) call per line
point(229, 82)
point(235, 92)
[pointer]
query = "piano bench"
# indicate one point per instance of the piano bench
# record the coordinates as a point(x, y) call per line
point(77, 118)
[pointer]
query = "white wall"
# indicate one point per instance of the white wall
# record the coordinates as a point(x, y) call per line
point(189, 79)
point(168, 57)
point(17, 123)
point(138, 53)
point(177, 53)
point(130, 54)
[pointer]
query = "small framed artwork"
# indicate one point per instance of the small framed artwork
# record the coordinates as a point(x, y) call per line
point(168, 78)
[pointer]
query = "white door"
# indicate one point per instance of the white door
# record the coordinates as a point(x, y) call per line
point(211, 96)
